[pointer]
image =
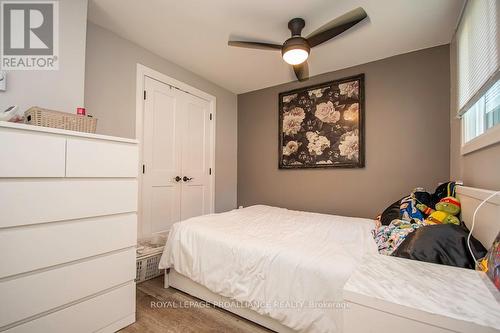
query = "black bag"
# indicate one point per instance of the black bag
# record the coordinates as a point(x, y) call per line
point(391, 213)
point(441, 244)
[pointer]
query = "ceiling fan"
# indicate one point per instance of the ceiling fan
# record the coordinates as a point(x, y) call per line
point(296, 49)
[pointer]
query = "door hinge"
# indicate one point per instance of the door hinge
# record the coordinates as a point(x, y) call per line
point(144, 94)
point(210, 116)
point(210, 171)
point(143, 168)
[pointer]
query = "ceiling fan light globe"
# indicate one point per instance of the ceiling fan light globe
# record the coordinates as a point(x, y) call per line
point(295, 56)
point(295, 50)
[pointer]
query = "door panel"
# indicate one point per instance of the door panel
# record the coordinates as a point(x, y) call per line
point(164, 207)
point(196, 148)
point(164, 150)
point(177, 141)
point(193, 201)
point(162, 157)
point(194, 159)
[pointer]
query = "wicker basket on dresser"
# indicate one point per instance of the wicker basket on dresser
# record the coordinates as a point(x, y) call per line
point(62, 120)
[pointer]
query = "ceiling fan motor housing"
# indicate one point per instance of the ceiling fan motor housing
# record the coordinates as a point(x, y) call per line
point(295, 43)
point(296, 25)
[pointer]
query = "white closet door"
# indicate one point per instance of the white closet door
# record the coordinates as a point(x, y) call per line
point(196, 154)
point(162, 144)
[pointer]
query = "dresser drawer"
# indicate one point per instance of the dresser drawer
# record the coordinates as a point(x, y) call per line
point(29, 248)
point(40, 201)
point(36, 293)
point(118, 304)
point(27, 154)
point(93, 158)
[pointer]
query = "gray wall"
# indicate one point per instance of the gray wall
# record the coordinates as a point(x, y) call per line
point(407, 140)
point(62, 89)
point(110, 90)
point(479, 168)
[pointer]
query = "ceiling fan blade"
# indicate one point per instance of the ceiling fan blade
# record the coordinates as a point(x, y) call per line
point(255, 45)
point(336, 26)
point(301, 71)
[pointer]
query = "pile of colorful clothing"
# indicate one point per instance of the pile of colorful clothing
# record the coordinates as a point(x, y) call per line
point(389, 237)
point(414, 211)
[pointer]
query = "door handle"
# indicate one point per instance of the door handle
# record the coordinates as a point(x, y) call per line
point(186, 179)
point(177, 179)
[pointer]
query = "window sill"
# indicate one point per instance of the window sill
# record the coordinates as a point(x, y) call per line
point(490, 137)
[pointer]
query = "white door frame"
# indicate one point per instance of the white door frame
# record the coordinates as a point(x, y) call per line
point(142, 72)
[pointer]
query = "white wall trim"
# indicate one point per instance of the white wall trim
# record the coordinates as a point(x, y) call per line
point(142, 72)
point(488, 138)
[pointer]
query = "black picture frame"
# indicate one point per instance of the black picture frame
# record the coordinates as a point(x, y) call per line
point(337, 138)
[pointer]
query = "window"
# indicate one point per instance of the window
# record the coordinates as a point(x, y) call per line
point(478, 75)
point(483, 115)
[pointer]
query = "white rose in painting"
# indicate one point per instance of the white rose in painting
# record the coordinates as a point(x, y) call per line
point(326, 113)
point(296, 112)
point(291, 125)
point(311, 136)
point(351, 89)
point(289, 98)
point(292, 121)
point(351, 114)
point(316, 92)
point(290, 148)
point(317, 143)
point(349, 145)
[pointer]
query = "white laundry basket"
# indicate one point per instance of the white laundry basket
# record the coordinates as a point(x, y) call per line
point(148, 257)
point(147, 267)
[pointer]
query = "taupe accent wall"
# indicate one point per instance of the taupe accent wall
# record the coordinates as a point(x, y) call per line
point(110, 90)
point(480, 168)
point(407, 140)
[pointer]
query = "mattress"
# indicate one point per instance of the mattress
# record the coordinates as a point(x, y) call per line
point(288, 265)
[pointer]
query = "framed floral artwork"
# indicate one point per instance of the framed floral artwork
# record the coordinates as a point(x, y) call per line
point(322, 126)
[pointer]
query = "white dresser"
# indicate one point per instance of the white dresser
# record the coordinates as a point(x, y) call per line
point(68, 230)
point(388, 294)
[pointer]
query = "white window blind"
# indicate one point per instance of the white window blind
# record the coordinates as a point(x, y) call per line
point(478, 49)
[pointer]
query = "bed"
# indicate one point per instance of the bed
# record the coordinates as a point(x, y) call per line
point(262, 262)
point(280, 268)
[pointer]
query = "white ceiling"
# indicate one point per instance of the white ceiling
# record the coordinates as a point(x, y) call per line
point(194, 33)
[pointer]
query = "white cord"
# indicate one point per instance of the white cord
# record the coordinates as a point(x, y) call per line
point(474, 221)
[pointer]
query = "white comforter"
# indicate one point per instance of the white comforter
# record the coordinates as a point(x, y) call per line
point(289, 265)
